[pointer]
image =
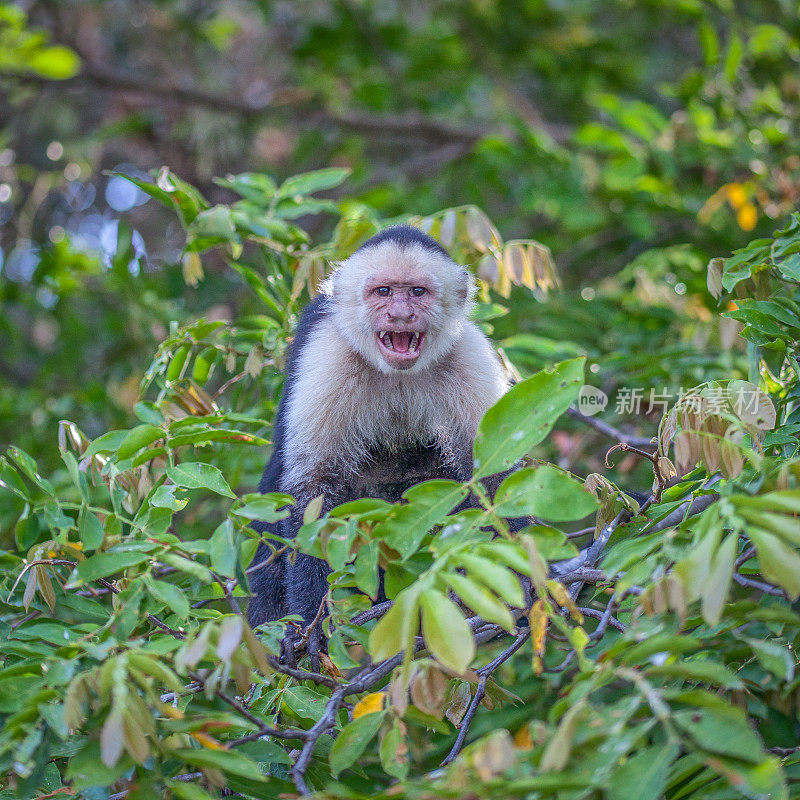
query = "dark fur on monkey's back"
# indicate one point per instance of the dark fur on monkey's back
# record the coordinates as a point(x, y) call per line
point(268, 583)
point(385, 472)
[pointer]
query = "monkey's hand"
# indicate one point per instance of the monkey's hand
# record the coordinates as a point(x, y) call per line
point(292, 642)
point(289, 644)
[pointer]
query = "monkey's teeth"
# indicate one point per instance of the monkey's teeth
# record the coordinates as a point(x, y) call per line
point(414, 342)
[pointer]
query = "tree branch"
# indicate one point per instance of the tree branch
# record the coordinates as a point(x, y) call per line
point(483, 675)
point(609, 431)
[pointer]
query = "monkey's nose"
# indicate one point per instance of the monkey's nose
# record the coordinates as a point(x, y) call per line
point(401, 315)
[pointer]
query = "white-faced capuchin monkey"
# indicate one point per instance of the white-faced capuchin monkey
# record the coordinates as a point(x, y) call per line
point(386, 383)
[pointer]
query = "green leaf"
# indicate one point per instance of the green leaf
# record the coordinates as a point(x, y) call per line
point(137, 438)
point(304, 702)
point(27, 532)
point(499, 579)
point(481, 601)
point(226, 760)
point(265, 752)
point(353, 740)
point(170, 595)
point(524, 416)
point(106, 443)
point(223, 550)
point(310, 182)
point(101, 565)
point(256, 187)
point(644, 775)
point(90, 529)
point(721, 730)
point(85, 768)
point(556, 753)
point(11, 481)
point(196, 475)
point(397, 628)
point(56, 62)
point(427, 505)
point(775, 658)
point(211, 227)
point(777, 561)
point(545, 492)
point(268, 508)
point(164, 497)
point(393, 752)
point(715, 588)
point(733, 57)
point(189, 791)
point(27, 466)
point(365, 570)
point(149, 413)
point(700, 671)
point(552, 544)
point(446, 632)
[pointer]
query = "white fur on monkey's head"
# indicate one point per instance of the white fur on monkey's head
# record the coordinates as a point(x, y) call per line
point(407, 258)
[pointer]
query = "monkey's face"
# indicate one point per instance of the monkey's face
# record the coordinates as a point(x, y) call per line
point(401, 307)
point(401, 313)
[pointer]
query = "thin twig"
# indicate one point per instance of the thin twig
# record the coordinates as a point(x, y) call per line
point(366, 679)
point(111, 588)
point(605, 618)
point(653, 458)
point(263, 730)
point(306, 632)
point(270, 559)
point(371, 613)
point(748, 553)
point(483, 675)
point(609, 431)
point(751, 583)
point(302, 674)
point(186, 778)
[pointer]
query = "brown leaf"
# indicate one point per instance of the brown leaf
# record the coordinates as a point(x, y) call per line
point(45, 587)
point(493, 754)
point(30, 588)
point(714, 277)
point(457, 702)
point(428, 691)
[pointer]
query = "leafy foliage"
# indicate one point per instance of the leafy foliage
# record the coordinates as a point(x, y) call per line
point(586, 161)
point(660, 655)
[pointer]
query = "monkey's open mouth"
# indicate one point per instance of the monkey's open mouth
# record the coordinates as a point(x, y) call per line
point(401, 345)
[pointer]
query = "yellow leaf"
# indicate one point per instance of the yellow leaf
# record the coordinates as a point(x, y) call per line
point(209, 742)
point(171, 711)
point(736, 195)
point(192, 269)
point(522, 739)
point(538, 622)
point(747, 216)
point(369, 704)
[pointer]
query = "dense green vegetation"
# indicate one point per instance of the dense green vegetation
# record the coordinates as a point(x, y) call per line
point(614, 174)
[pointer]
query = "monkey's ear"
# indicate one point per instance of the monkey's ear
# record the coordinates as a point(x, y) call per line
point(329, 284)
point(465, 286)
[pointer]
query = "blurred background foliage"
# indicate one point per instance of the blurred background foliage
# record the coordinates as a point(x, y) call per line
point(177, 175)
point(614, 133)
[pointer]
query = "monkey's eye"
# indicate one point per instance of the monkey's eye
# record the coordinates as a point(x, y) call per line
point(418, 291)
point(383, 291)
